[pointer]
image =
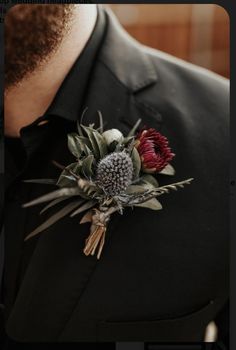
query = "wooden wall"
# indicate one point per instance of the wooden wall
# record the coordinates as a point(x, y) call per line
point(196, 33)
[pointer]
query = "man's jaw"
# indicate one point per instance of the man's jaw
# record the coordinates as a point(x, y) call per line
point(33, 33)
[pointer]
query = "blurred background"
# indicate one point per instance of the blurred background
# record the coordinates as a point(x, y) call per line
point(196, 33)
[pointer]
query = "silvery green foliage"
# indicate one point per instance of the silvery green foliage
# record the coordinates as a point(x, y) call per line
point(114, 173)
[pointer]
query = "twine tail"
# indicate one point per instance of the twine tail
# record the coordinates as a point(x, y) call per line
point(96, 236)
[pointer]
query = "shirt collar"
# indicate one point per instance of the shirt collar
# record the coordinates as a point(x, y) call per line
point(69, 98)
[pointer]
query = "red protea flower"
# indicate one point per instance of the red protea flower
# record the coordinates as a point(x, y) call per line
point(154, 151)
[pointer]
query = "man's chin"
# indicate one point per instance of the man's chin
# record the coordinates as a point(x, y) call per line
point(32, 34)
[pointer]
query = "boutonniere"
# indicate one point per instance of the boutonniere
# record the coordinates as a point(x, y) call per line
point(111, 172)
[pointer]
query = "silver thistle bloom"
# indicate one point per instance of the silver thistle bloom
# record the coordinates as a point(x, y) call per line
point(114, 173)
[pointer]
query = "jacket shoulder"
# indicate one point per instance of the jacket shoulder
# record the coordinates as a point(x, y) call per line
point(189, 96)
point(192, 81)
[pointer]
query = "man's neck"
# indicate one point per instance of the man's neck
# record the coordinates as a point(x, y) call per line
point(29, 100)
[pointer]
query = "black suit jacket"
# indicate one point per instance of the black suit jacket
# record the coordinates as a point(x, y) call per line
point(163, 276)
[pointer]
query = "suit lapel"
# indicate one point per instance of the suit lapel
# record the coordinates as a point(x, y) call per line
point(59, 272)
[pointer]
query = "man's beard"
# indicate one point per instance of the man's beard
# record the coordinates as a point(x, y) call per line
point(32, 34)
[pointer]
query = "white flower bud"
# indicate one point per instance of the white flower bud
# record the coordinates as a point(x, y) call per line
point(112, 135)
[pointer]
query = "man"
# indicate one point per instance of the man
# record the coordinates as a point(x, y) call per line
point(162, 276)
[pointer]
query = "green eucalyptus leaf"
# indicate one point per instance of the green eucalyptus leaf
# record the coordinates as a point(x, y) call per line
point(136, 162)
point(130, 145)
point(74, 145)
point(54, 218)
point(90, 133)
point(97, 141)
point(150, 180)
point(153, 204)
point(80, 131)
point(85, 144)
point(66, 179)
point(101, 124)
point(87, 150)
point(82, 143)
point(101, 143)
point(127, 140)
point(135, 127)
point(87, 165)
point(168, 170)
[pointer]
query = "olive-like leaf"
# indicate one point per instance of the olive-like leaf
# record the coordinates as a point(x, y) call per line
point(127, 140)
point(74, 145)
point(66, 178)
point(101, 125)
point(134, 129)
point(136, 162)
point(80, 131)
point(153, 204)
point(90, 133)
point(87, 166)
point(85, 144)
point(168, 170)
point(129, 145)
point(101, 143)
point(97, 141)
point(54, 218)
point(150, 180)
point(66, 181)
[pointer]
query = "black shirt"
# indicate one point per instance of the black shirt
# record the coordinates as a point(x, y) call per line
point(30, 156)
